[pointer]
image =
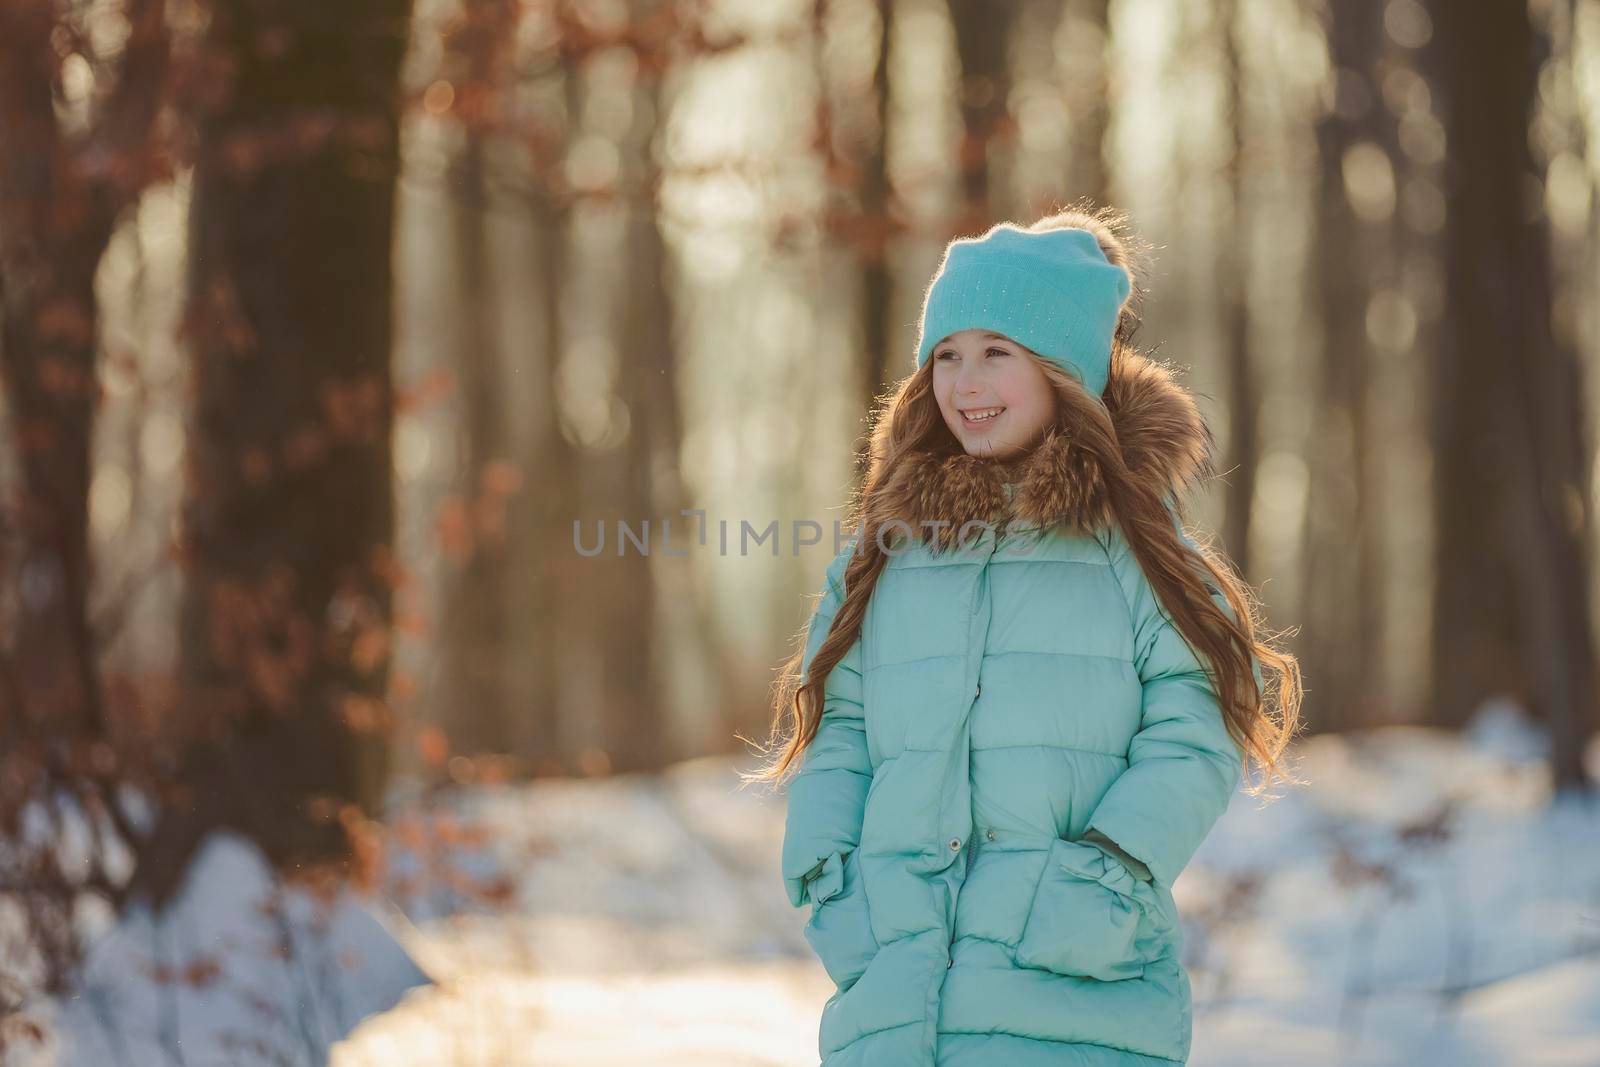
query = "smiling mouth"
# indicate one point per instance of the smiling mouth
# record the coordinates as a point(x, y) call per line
point(978, 418)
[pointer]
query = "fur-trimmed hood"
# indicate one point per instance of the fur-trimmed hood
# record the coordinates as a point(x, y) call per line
point(1165, 444)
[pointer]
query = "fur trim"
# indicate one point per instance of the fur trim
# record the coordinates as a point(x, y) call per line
point(1165, 441)
point(1165, 444)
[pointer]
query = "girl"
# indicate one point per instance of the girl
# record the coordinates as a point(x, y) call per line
point(1025, 695)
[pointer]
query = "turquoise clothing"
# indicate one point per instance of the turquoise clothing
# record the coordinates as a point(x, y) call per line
point(1003, 702)
point(1053, 291)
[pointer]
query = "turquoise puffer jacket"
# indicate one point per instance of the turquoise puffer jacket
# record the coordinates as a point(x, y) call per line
point(1002, 701)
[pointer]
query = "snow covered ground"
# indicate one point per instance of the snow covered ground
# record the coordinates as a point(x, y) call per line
point(239, 969)
point(1420, 902)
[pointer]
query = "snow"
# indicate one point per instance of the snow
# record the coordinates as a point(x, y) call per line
point(239, 969)
point(1464, 930)
point(1422, 900)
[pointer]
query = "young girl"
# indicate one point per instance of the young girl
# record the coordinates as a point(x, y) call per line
point(1025, 695)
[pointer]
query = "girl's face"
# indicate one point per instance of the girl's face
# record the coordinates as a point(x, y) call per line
point(992, 393)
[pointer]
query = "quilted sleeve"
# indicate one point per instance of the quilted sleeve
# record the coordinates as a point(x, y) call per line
point(1183, 766)
point(828, 795)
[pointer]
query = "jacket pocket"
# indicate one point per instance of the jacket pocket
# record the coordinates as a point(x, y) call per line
point(1090, 917)
point(840, 930)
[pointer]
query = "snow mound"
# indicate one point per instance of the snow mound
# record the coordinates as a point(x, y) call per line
point(238, 969)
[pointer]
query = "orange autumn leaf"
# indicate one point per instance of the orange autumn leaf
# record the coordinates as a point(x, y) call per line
point(433, 746)
point(370, 649)
point(409, 399)
point(402, 686)
point(201, 971)
point(501, 476)
point(455, 528)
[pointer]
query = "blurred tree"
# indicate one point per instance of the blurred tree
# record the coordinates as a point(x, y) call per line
point(1511, 600)
point(982, 32)
point(614, 622)
point(1233, 276)
point(879, 218)
point(878, 204)
point(543, 585)
point(79, 142)
point(475, 626)
point(1086, 67)
point(634, 704)
point(289, 514)
point(1341, 559)
point(861, 213)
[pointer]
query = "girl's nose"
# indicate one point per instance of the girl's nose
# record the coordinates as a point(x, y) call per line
point(969, 379)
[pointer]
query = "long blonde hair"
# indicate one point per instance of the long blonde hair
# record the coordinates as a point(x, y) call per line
point(1262, 720)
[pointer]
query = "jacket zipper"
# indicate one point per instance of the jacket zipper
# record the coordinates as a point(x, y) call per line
point(972, 832)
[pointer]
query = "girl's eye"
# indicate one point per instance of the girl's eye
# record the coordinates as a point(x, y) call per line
point(948, 355)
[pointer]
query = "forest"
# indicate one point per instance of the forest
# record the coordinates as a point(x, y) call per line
point(426, 424)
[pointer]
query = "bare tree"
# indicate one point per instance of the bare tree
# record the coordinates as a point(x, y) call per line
point(877, 224)
point(1341, 562)
point(475, 631)
point(1233, 275)
point(71, 162)
point(1086, 67)
point(543, 581)
point(1510, 452)
point(288, 517)
point(982, 32)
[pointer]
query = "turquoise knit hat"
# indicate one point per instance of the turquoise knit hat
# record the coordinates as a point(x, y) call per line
point(1052, 291)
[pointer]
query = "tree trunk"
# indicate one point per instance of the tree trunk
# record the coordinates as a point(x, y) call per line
point(545, 589)
point(982, 32)
point(877, 282)
point(473, 638)
point(60, 197)
point(1244, 394)
point(1340, 560)
point(1512, 514)
point(619, 586)
point(1089, 96)
point(54, 227)
point(289, 506)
